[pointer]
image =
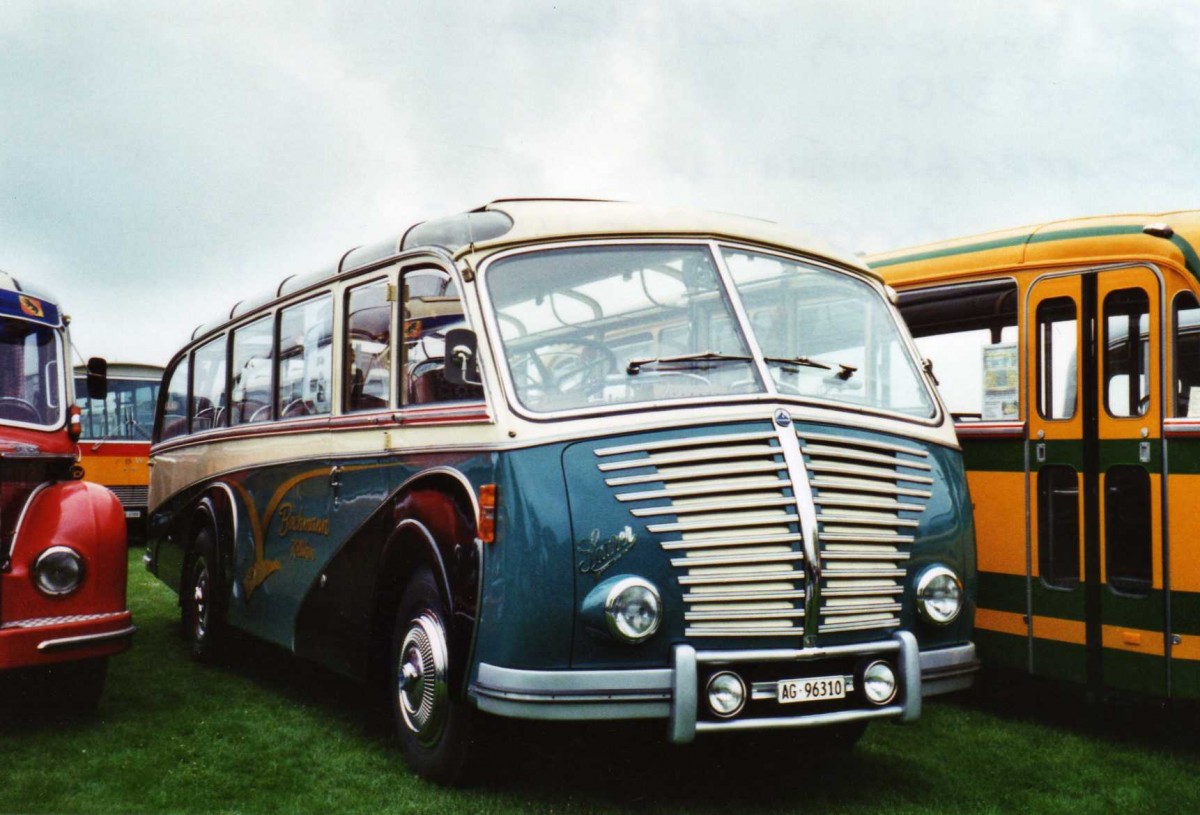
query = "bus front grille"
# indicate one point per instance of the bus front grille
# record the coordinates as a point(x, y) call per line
point(132, 497)
point(868, 496)
point(725, 513)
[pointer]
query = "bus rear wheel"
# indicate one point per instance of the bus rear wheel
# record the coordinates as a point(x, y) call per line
point(435, 729)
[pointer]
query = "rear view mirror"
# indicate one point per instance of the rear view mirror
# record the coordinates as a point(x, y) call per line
point(97, 378)
point(462, 358)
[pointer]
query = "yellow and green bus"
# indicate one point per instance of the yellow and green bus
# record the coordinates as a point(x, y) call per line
point(1069, 355)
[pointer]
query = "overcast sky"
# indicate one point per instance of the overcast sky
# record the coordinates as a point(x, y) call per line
point(159, 161)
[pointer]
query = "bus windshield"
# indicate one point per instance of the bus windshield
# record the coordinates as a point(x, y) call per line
point(30, 374)
point(596, 326)
point(125, 414)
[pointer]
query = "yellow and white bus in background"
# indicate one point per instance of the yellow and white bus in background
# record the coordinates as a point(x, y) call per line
point(1069, 355)
point(114, 448)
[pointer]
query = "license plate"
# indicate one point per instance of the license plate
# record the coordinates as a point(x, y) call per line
point(132, 513)
point(812, 689)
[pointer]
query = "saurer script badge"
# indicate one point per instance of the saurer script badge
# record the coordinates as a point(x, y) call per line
point(597, 555)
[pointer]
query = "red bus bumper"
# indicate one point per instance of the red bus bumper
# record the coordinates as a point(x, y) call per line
point(47, 640)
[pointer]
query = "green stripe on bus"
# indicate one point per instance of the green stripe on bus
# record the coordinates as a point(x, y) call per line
point(1002, 592)
point(993, 456)
point(1141, 673)
point(1000, 650)
point(1060, 660)
point(1190, 259)
point(1183, 456)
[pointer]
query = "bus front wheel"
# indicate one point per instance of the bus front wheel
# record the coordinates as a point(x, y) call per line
point(435, 729)
point(202, 599)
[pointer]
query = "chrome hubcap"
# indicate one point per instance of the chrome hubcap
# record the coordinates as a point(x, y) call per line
point(200, 604)
point(421, 678)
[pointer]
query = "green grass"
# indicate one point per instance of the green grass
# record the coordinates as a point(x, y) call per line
point(265, 732)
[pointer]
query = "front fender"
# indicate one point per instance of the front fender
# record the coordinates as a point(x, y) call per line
point(86, 517)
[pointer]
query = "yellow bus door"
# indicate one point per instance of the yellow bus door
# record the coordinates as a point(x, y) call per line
point(1131, 606)
point(1057, 581)
point(1095, 466)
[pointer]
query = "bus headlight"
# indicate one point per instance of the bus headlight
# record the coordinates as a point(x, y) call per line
point(633, 609)
point(58, 571)
point(939, 595)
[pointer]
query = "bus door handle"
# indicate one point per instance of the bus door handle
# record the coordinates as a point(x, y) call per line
point(335, 484)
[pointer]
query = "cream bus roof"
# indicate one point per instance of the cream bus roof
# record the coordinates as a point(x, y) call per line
point(512, 222)
point(1168, 237)
point(547, 219)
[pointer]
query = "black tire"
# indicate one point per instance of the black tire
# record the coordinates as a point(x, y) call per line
point(436, 730)
point(203, 599)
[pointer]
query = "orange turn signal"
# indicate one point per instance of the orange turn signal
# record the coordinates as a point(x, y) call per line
point(487, 513)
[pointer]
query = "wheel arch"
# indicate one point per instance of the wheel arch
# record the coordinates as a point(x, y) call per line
point(434, 525)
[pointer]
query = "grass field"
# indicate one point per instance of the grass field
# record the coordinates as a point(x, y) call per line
point(264, 732)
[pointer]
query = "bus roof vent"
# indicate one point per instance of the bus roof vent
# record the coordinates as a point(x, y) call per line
point(1159, 230)
point(457, 231)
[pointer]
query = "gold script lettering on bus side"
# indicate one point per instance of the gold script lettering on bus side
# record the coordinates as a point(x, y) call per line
point(292, 521)
point(302, 550)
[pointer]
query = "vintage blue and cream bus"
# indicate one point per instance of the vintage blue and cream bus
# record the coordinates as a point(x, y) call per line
point(575, 460)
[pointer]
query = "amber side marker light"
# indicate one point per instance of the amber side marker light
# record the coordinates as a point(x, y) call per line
point(487, 513)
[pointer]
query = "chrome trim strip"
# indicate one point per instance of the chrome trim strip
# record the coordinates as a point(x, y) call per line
point(704, 454)
point(797, 655)
point(793, 456)
point(735, 560)
point(868, 472)
point(736, 596)
point(757, 577)
point(549, 685)
point(883, 489)
point(700, 526)
point(16, 535)
point(782, 538)
point(85, 639)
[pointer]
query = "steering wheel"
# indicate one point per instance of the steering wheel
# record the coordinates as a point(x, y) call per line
point(11, 404)
point(566, 366)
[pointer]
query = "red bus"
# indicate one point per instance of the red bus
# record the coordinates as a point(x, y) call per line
point(62, 540)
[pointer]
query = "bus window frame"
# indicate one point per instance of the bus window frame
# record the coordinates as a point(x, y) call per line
point(770, 392)
point(354, 284)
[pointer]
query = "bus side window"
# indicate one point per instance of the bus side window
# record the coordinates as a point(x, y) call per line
point(431, 307)
point(174, 415)
point(208, 386)
point(252, 346)
point(1058, 526)
point(367, 383)
point(969, 333)
point(1186, 345)
point(306, 358)
point(1057, 339)
point(1126, 353)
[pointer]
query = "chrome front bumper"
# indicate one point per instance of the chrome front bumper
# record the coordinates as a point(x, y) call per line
point(674, 693)
point(948, 669)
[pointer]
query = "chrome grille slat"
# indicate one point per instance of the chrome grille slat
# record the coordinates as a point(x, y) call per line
point(707, 616)
point(749, 578)
point(857, 537)
point(854, 520)
point(734, 596)
point(862, 485)
point(689, 457)
point(721, 543)
point(859, 608)
point(723, 523)
point(696, 441)
point(868, 443)
point(745, 485)
point(131, 496)
point(865, 555)
point(735, 560)
point(724, 506)
point(867, 503)
point(683, 474)
point(816, 450)
point(868, 472)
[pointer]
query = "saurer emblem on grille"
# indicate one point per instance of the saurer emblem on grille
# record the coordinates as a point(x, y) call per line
point(596, 555)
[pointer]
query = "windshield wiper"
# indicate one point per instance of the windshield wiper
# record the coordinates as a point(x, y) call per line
point(805, 361)
point(636, 365)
